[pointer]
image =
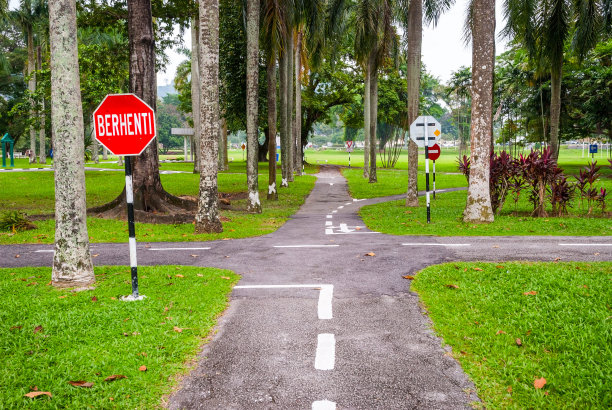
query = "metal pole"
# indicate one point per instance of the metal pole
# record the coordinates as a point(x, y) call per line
point(349, 159)
point(427, 172)
point(434, 179)
point(129, 197)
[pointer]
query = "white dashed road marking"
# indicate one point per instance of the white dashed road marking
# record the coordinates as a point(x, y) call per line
point(323, 405)
point(325, 358)
point(328, 216)
point(306, 246)
point(179, 249)
point(585, 244)
point(436, 244)
point(328, 223)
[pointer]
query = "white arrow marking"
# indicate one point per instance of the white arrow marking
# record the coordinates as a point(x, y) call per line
point(345, 229)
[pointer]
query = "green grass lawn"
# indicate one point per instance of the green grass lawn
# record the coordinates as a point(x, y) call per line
point(25, 163)
point(104, 186)
point(560, 312)
point(91, 335)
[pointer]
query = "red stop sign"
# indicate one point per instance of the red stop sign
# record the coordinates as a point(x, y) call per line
point(124, 124)
point(434, 152)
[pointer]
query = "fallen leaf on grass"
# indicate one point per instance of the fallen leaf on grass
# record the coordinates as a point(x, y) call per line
point(495, 246)
point(531, 292)
point(38, 329)
point(94, 299)
point(557, 259)
point(478, 269)
point(500, 332)
point(15, 327)
point(178, 329)
point(81, 383)
point(195, 256)
point(500, 266)
point(33, 394)
point(509, 389)
point(370, 254)
point(143, 368)
point(408, 277)
point(18, 256)
point(62, 297)
point(452, 286)
point(225, 277)
point(539, 383)
point(115, 377)
point(518, 342)
point(200, 275)
point(179, 275)
point(95, 255)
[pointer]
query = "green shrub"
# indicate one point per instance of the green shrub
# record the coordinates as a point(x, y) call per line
point(15, 221)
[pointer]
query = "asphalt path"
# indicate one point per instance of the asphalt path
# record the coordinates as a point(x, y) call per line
point(322, 317)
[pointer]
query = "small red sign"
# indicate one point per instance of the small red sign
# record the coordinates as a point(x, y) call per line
point(434, 152)
point(349, 145)
point(124, 124)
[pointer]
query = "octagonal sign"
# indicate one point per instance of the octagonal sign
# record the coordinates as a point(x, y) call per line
point(124, 124)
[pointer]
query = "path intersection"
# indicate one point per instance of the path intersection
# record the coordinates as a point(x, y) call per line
point(317, 323)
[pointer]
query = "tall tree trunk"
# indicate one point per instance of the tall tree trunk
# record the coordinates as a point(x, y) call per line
point(366, 122)
point(478, 207)
point(72, 265)
point(195, 93)
point(282, 73)
point(146, 180)
point(271, 83)
point(252, 80)
point(555, 109)
point(32, 89)
point(290, 118)
point(42, 150)
point(223, 162)
point(104, 153)
point(299, 158)
point(207, 217)
point(373, 114)
point(413, 69)
point(95, 150)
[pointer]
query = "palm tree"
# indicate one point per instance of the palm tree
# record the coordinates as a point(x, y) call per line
point(207, 216)
point(543, 27)
point(252, 77)
point(410, 14)
point(195, 94)
point(72, 264)
point(478, 207)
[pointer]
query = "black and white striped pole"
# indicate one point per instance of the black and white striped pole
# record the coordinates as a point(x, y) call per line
point(427, 174)
point(125, 125)
point(129, 198)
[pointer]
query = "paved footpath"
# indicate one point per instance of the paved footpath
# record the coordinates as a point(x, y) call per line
point(314, 322)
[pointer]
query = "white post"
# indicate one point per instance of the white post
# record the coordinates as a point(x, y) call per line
point(185, 147)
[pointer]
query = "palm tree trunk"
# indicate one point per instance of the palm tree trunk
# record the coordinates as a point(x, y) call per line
point(413, 74)
point(373, 114)
point(299, 158)
point(72, 265)
point(42, 151)
point(207, 216)
point(271, 83)
point(282, 73)
point(366, 122)
point(478, 207)
point(32, 89)
point(223, 160)
point(555, 109)
point(252, 80)
point(195, 94)
point(290, 119)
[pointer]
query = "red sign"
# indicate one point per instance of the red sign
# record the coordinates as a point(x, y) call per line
point(434, 152)
point(349, 146)
point(124, 124)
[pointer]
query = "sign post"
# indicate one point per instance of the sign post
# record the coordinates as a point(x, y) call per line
point(434, 154)
point(349, 148)
point(424, 131)
point(593, 150)
point(243, 146)
point(125, 125)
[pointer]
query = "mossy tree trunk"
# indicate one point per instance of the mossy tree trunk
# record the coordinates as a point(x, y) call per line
point(372, 67)
point(413, 68)
point(366, 121)
point(478, 207)
point(252, 77)
point(207, 217)
point(271, 83)
point(72, 264)
point(299, 158)
point(195, 94)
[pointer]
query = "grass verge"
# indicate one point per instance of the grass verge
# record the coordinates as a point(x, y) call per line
point(52, 336)
point(103, 186)
point(559, 311)
point(446, 220)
